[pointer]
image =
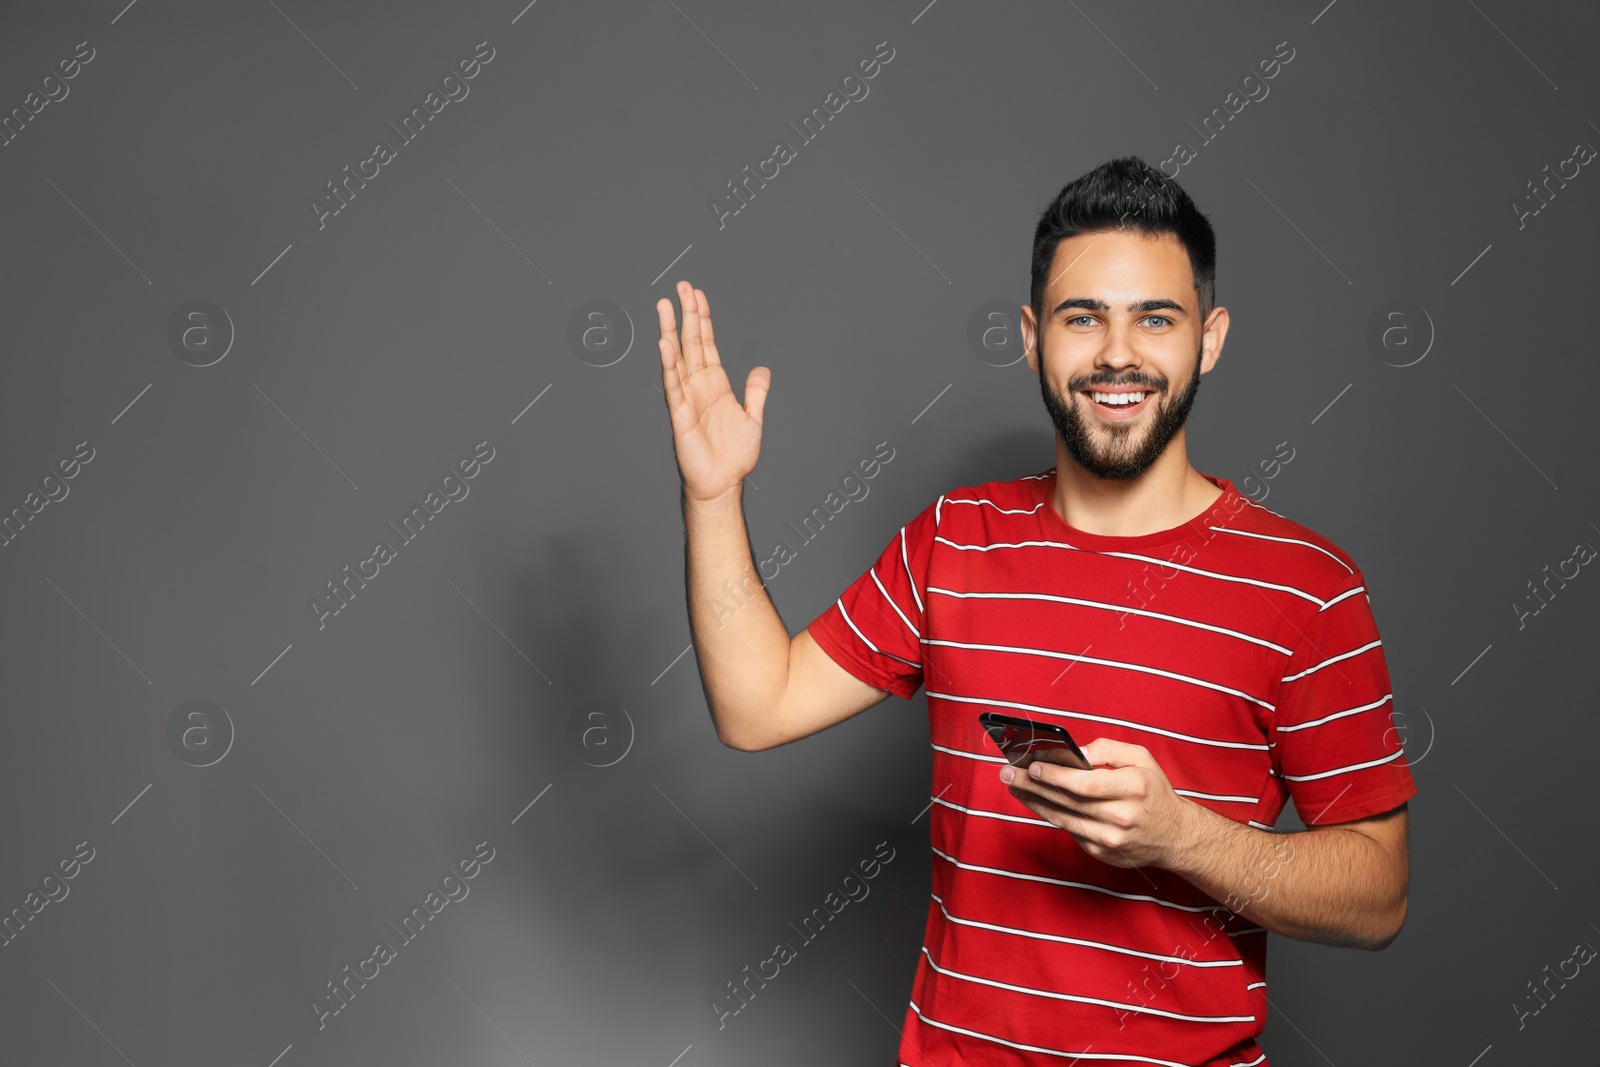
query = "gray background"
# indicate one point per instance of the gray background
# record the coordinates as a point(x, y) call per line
point(456, 689)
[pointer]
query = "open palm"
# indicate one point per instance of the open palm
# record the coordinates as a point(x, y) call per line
point(716, 439)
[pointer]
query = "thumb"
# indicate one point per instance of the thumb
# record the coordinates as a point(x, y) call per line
point(1108, 752)
point(756, 387)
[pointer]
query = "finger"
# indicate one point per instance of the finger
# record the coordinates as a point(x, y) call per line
point(1108, 752)
point(669, 361)
point(671, 356)
point(1084, 786)
point(1057, 815)
point(706, 339)
point(693, 353)
point(756, 387)
point(668, 324)
point(672, 380)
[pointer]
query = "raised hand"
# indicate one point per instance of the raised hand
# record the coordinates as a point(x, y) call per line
point(715, 438)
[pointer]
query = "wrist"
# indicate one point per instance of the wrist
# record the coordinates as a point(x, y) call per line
point(732, 500)
point(1192, 837)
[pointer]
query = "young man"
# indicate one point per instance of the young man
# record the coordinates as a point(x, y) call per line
point(1218, 658)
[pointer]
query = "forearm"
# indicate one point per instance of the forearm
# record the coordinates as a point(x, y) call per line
point(1328, 885)
point(740, 641)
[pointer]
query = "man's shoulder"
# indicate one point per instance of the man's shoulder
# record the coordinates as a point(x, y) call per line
point(1292, 549)
point(1002, 496)
point(1007, 490)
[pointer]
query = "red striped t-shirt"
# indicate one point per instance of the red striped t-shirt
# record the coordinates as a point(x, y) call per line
point(1239, 648)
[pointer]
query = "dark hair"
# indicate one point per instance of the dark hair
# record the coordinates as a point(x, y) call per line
point(1125, 193)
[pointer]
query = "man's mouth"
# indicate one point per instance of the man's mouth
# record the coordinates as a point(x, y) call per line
point(1118, 404)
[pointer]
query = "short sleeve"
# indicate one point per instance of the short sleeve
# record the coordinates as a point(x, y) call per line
point(874, 629)
point(1336, 746)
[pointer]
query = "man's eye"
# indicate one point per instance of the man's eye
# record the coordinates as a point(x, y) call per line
point(1157, 320)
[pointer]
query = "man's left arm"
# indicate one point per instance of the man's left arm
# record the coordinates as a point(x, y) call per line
point(1341, 884)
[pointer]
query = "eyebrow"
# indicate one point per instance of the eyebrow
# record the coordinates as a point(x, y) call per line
point(1089, 303)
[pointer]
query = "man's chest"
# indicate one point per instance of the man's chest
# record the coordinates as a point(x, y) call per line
point(1167, 657)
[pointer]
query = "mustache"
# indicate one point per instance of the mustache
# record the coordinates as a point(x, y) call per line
point(1123, 384)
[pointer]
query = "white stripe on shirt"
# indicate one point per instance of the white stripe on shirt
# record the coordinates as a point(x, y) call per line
point(1040, 1048)
point(1334, 659)
point(1077, 657)
point(1155, 560)
point(1338, 714)
point(1343, 770)
point(1120, 1005)
point(869, 644)
point(1287, 540)
point(914, 631)
point(1196, 908)
point(1103, 945)
point(1120, 610)
point(1040, 709)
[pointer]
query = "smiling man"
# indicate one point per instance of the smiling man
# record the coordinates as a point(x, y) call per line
point(1219, 659)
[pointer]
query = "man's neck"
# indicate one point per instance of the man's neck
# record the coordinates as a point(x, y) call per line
point(1169, 494)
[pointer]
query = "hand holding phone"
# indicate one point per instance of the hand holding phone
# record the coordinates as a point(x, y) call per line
point(1022, 741)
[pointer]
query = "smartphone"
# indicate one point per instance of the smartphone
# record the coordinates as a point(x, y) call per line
point(1022, 741)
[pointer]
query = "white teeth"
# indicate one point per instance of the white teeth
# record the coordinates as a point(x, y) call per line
point(1118, 398)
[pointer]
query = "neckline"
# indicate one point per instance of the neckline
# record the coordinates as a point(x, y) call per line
point(1058, 527)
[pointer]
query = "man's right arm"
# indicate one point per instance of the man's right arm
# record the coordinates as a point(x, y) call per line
point(763, 688)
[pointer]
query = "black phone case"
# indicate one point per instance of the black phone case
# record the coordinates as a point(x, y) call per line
point(1022, 741)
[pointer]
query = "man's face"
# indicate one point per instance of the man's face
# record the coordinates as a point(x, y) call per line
point(1121, 317)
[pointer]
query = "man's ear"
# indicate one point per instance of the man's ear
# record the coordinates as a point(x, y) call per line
point(1030, 338)
point(1216, 331)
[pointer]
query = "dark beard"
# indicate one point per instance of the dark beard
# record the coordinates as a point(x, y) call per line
point(1114, 462)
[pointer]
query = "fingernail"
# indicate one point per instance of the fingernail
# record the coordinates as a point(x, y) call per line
point(1006, 774)
point(1034, 770)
